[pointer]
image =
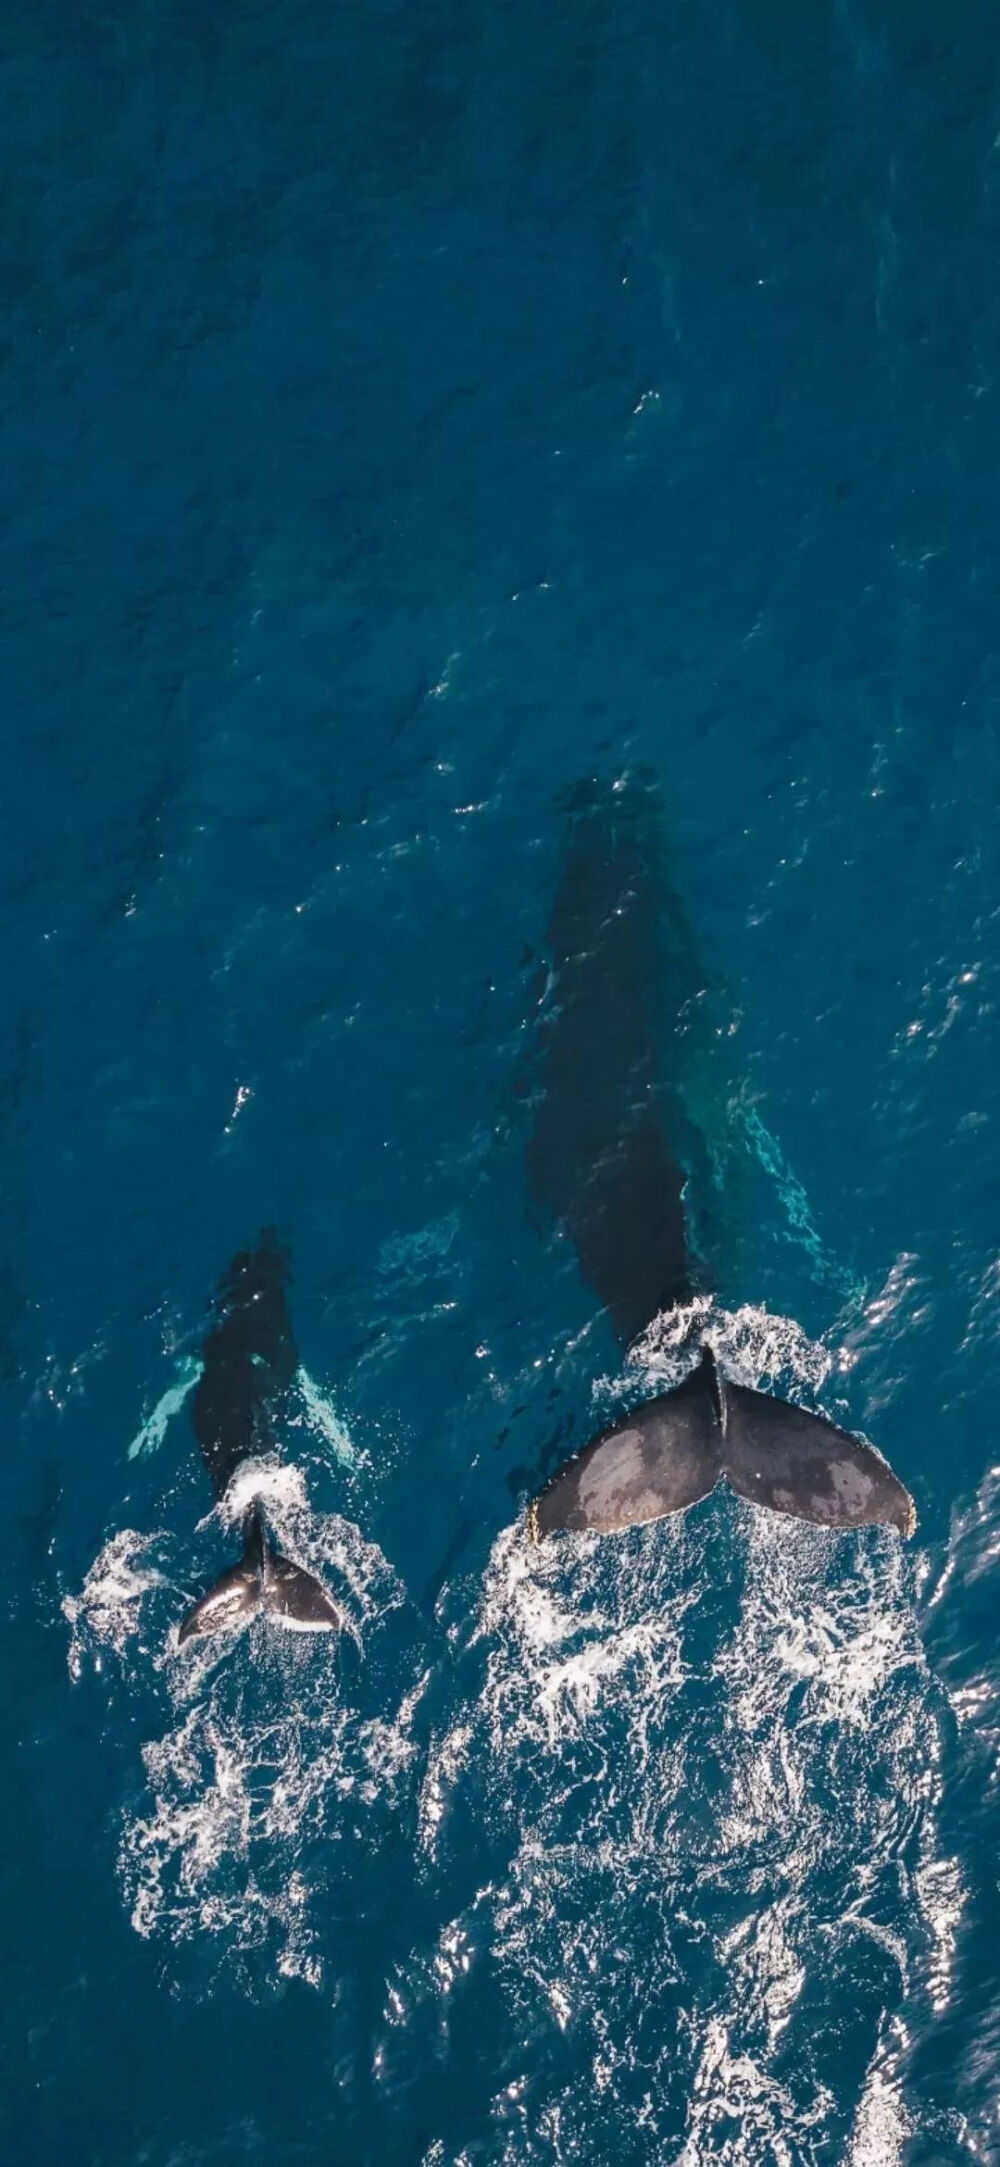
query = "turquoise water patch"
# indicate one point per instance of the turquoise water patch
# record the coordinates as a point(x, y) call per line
point(406, 414)
point(320, 1414)
point(798, 1219)
point(323, 1418)
point(151, 1433)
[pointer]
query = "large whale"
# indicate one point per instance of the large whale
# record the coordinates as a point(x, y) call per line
point(603, 1163)
point(249, 1364)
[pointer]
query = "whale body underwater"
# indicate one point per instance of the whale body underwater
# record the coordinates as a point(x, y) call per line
point(249, 1366)
point(601, 1164)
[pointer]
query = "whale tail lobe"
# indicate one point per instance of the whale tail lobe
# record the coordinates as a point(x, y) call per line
point(673, 1450)
point(262, 1583)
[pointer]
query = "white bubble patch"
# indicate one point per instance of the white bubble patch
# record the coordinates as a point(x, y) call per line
point(106, 1614)
point(752, 1345)
point(266, 1766)
point(704, 1749)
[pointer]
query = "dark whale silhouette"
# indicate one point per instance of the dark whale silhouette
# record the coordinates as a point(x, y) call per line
point(602, 1161)
point(250, 1361)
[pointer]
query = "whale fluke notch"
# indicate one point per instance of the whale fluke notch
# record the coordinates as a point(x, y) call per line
point(669, 1452)
point(265, 1582)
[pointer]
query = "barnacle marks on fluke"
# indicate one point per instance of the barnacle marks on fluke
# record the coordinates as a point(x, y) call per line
point(672, 1450)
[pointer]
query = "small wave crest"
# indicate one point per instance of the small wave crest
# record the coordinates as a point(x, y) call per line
point(754, 1345)
point(105, 1617)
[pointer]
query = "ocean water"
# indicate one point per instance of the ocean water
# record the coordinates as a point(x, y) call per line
point(405, 412)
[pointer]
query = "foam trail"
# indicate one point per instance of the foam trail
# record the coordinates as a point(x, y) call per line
point(106, 1614)
point(240, 1832)
point(150, 1436)
point(701, 1750)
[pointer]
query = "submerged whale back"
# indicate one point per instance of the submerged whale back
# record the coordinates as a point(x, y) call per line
point(249, 1366)
point(599, 1159)
point(249, 1360)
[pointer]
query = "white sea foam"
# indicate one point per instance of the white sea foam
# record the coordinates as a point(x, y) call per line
point(753, 1345)
point(882, 2123)
point(261, 1750)
point(703, 1812)
point(245, 1797)
point(107, 1614)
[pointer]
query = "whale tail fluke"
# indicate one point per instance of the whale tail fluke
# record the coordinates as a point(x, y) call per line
point(262, 1583)
point(671, 1451)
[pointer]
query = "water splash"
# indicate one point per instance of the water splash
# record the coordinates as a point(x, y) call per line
point(697, 1816)
point(261, 1749)
point(246, 1795)
point(105, 1616)
point(882, 2124)
point(754, 1345)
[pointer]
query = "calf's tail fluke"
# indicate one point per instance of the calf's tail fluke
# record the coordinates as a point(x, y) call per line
point(673, 1450)
point(263, 1583)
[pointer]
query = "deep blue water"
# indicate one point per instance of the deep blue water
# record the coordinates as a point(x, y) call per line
point(406, 411)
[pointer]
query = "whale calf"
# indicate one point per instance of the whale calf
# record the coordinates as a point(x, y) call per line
point(602, 1162)
point(249, 1366)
